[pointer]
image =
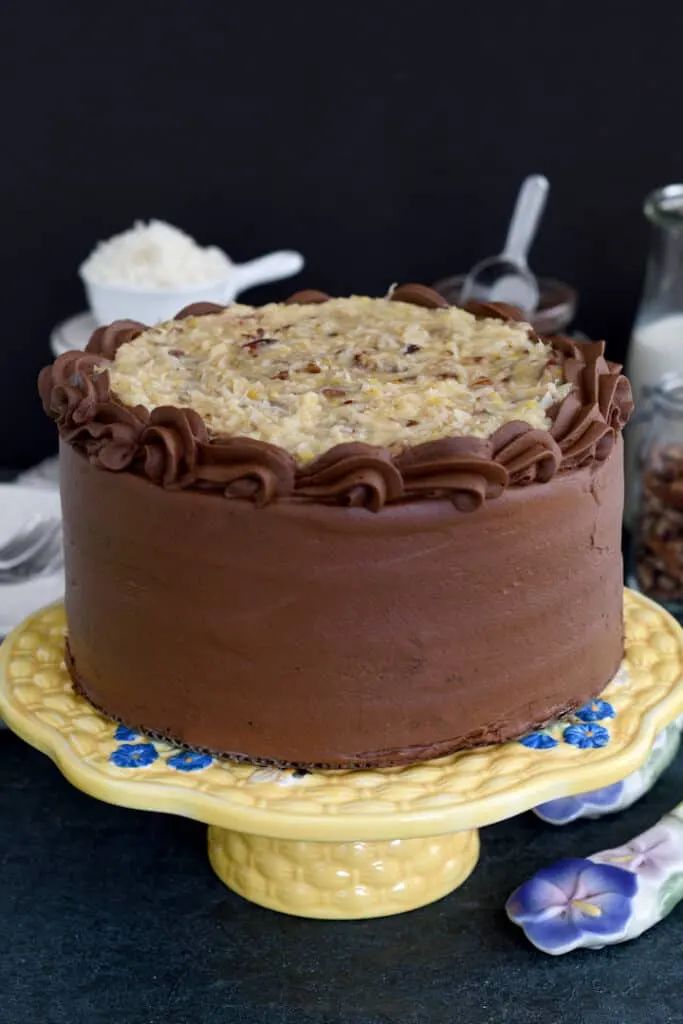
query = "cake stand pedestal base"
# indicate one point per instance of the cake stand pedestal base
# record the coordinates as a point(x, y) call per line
point(346, 844)
point(342, 880)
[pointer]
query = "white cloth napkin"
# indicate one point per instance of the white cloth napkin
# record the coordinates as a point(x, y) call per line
point(34, 492)
point(45, 474)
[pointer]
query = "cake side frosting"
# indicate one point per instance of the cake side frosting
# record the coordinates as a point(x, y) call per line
point(310, 634)
point(575, 403)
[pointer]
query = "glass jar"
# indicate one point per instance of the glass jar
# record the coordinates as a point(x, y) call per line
point(656, 557)
point(656, 346)
point(657, 340)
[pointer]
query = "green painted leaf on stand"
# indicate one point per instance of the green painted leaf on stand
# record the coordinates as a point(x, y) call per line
point(670, 894)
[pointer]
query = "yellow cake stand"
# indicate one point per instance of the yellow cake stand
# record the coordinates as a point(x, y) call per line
point(345, 844)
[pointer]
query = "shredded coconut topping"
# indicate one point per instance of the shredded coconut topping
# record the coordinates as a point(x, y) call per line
point(308, 377)
point(154, 255)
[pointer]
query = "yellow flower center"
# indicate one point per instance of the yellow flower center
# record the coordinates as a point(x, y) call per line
point(589, 909)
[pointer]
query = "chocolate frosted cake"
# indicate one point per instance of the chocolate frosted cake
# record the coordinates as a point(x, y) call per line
point(340, 532)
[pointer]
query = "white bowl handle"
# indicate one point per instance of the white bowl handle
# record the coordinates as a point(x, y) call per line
point(273, 267)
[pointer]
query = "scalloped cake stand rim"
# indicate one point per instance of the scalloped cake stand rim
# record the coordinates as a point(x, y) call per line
point(185, 797)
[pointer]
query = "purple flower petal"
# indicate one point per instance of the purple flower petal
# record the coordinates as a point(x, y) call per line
point(536, 897)
point(565, 874)
point(572, 899)
point(550, 886)
point(596, 880)
point(615, 911)
point(651, 854)
point(552, 933)
point(605, 797)
point(560, 811)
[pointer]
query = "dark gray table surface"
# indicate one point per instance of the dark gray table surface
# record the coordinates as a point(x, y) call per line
point(112, 915)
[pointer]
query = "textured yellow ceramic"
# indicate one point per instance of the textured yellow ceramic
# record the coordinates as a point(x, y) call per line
point(345, 844)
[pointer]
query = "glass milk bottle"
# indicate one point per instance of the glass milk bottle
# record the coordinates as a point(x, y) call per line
point(656, 556)
point(656, 346)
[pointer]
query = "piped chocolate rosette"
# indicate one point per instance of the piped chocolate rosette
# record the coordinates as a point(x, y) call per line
point(358, 401)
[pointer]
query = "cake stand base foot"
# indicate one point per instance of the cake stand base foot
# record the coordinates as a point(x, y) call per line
point(343, 881)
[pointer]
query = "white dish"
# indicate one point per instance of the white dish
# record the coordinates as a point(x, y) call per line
point(154, 305)
point(73, 334)
point(149, 306)
point(17, 600)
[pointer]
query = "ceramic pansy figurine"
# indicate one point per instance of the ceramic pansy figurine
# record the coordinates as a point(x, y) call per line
point(610, 897)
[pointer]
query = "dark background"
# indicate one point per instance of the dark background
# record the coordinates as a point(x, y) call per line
point(385, 141)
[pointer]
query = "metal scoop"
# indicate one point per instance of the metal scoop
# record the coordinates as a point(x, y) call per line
point(507, 278)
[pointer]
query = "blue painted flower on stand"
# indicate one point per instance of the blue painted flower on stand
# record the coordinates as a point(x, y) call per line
point(133, 755)
point(586, 735)
point(585, 805)
point(123, 733)
point(574, 903)
point(189, 761)
point(539, 741)
point(595, 711)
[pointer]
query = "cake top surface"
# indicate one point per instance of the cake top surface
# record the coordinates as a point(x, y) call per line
point(311, 376)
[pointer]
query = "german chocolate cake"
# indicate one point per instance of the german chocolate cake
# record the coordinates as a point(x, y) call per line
point(340, 532)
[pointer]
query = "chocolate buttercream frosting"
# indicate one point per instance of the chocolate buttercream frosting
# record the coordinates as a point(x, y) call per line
point(371, 607)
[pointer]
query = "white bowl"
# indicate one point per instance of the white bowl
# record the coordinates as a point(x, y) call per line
point(154, 305)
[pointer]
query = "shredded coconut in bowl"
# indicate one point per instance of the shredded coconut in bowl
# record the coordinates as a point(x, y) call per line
point(154, 255)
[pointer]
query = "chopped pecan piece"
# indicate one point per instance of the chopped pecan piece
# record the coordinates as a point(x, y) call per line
point(256, 343)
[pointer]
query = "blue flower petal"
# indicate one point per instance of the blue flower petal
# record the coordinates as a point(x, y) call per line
point(556, 934)
point(608, 796)
point(597, 880)
point(569, 808)
point(564, 873)
point(585, 736)
point(133, 755)
point(533, 898)
point(615, 912)
point(189, 761)
point(560, 811)
point(539, 741)
point(575, 898)
point(124, 733)
point(550, 886)
point(595, 711)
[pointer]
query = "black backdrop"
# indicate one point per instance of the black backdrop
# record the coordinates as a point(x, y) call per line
point(385, 141)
